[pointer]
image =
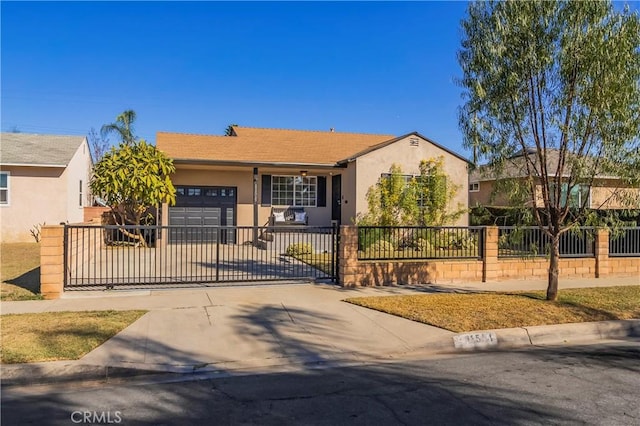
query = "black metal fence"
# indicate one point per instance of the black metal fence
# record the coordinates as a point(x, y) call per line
point(534, 242)
point(624, 242)
point(413, 242)
point(139, 256)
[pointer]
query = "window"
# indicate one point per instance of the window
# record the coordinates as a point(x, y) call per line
point(299, 191)
point(474, 187)
point(578, 197)
point(4, 188)
point(80, 194)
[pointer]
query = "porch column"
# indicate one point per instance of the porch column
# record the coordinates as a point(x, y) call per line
point(255, 206)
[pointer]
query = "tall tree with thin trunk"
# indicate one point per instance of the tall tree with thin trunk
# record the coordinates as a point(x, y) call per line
point(122, 127)
point(552, 97)
point(98, 144)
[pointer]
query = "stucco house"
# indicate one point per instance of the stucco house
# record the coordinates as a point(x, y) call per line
point(43, 179)
point(606, 192)
point(239, 179)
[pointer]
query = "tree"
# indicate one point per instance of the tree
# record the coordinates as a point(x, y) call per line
point(425, 200)
point(122, 127)
point(552, 94)
point(98, 144)
point(131, 179)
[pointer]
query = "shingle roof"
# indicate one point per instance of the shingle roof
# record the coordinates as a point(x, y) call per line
point(256, 145)
point(516, 167)
point(33, 149)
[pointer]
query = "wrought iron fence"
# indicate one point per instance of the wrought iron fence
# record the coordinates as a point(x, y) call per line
point(624, 242)
point(135, 256)
point(534, 242)
point(414, 242)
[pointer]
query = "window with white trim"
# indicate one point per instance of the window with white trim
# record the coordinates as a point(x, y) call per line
point(474, 187)
point(299, 191)
point(4, 188)
point(80, 194)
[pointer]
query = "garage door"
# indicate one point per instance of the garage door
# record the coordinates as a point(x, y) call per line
point(198, 206)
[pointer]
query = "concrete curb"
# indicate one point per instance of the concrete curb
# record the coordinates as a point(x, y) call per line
point(509, 338)
point(65, 371)
point(546, 335)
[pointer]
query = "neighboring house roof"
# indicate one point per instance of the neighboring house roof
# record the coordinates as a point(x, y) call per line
point(26, 149)
point(515, 167)
point(273, 146)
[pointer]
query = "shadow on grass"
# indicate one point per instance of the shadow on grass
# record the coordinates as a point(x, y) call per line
point(583, 310)
point(29, 281)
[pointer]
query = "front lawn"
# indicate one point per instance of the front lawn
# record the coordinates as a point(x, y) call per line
point(321, 261)
point(53, 336)
point(20, 271)
point(484, 311)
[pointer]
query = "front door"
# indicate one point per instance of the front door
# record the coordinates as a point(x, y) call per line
point(336, 197)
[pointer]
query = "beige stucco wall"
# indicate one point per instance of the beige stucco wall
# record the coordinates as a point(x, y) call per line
point(610, 194)
point(370, 166)
point(44, 195)
point(78, 169)
point(349, 194)
point(242, 179)
point(604, 194)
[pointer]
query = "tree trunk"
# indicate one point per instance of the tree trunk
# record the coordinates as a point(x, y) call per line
point(554, 268)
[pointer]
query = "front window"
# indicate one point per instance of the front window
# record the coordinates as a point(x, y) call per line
point(299, 191)
point(577, 197)
point(4, 188)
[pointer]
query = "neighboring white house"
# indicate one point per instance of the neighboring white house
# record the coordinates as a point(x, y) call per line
point(43, 179)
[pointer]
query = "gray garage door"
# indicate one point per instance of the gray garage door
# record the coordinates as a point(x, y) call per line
point(203, 206)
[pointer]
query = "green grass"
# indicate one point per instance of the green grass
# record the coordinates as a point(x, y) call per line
point(20, 271)
point(53, 336)
point(484, 311)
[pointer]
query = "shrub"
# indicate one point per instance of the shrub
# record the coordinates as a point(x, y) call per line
point(298, 249)
point(380, 248)
point(423, 245)
point(368, 236)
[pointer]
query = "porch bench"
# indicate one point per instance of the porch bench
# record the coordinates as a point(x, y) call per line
point(288, 216)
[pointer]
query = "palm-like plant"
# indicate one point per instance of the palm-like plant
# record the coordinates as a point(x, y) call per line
point(123, 127)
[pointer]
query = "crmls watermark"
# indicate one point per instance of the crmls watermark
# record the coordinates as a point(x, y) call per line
point(96, 417)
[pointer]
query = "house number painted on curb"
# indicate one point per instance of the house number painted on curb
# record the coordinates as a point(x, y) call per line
point(475, 340)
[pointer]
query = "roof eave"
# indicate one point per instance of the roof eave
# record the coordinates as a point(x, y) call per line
point(255, 163)
point(33, 165)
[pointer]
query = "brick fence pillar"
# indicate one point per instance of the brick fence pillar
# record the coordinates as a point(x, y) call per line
point(348, 256)
point(52, 261)
point(602, 253)
point(490, 254)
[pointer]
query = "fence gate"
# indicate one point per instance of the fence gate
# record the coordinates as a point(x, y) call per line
point(110, 256)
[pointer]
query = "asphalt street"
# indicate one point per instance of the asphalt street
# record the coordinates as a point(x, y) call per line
point(594, 384)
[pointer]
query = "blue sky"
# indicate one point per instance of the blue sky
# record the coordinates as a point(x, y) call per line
point(197, 67)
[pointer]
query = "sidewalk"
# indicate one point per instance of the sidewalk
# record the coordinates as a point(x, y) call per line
point(253, 329)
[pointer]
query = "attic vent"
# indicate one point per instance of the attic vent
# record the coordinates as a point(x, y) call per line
point(414, 142)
